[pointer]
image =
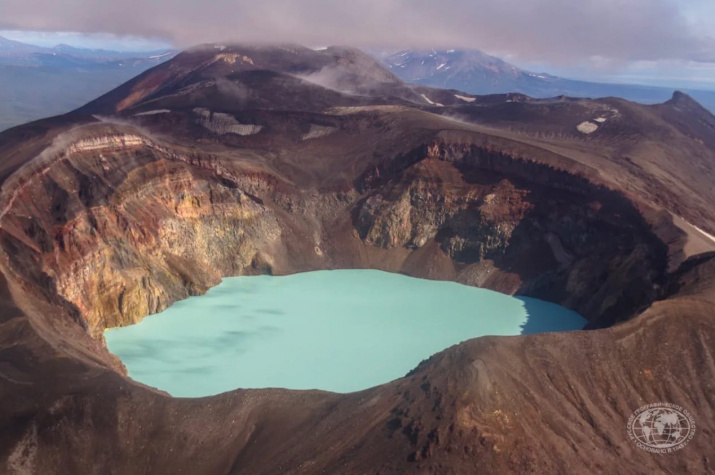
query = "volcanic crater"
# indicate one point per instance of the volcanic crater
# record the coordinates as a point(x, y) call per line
point(248, 160)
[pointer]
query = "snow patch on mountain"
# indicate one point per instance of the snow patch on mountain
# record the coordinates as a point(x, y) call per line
point(431, 102)
point(587, 127)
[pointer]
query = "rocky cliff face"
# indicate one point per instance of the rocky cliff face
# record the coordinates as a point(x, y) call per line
point(489, 211)
point(123, 226)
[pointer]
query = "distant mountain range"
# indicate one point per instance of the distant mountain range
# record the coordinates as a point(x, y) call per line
point(478, 73)
point(37, 82)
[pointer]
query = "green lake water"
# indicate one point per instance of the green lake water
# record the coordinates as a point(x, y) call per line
point(342, 331)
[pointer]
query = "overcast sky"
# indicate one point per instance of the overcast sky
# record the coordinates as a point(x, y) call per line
point(587, 38)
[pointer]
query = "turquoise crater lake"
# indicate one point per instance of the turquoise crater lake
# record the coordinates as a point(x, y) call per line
point(342, 331)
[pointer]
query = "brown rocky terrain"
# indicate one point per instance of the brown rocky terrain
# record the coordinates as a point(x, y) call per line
point(236, 160)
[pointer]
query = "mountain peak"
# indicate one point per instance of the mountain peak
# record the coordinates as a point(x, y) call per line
point(455, 69)
point(236, 76)
point(680, 97)
point(684, 101)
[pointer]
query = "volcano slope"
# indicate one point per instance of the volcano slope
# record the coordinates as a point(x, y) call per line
point(235, 160)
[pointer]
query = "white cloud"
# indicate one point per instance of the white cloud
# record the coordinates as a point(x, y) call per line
point(551, 30)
